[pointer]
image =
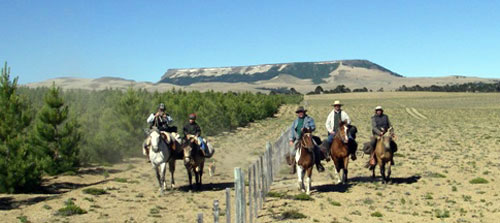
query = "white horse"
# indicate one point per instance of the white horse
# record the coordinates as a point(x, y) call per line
point(160, 154)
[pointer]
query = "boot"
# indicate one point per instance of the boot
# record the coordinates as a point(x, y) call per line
point(324, 147)
point(319, 166)
point(353, 156)
point(293, 170)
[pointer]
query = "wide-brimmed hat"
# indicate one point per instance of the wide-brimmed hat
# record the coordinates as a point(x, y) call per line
point(300, 109)
point(379, 108)
point(337, 102)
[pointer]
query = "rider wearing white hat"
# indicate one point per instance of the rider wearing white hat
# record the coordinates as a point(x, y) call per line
point(336, 116)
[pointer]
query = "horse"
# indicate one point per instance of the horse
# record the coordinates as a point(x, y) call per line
point(304, 159)
point(194, 160)
point(163, 149)
point(383, 155)
point(339, 152)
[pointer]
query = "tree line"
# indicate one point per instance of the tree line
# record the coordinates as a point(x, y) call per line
point(50, 131)
point(466, 87)
point(338, 89)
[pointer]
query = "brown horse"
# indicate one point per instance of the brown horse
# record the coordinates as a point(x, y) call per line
point(304, 158)
point(194, 160)
point(339, 152)
point(383, 155)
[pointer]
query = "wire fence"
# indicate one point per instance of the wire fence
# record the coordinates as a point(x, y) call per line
point(260, 175)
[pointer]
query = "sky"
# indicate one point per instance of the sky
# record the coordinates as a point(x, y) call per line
point(140, 40)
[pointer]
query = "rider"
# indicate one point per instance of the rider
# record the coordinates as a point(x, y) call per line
point(192, 128)
point(336, 116)
point(161, 120)
point(380, 125)
point(303, 121)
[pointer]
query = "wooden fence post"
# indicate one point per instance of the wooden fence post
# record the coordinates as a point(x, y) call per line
point(228, 205)
point(254, 191)
point(270, 155)
point(239, 181)
point(200, 218)
point(216, 211)
point(262, 186)
point(250, 194)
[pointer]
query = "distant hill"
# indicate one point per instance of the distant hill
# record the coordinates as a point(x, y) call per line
point(303, 76)
point(317, 72)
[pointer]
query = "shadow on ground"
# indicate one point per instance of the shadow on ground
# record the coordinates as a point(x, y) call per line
point(9, 203)
point(208, 187)
point(394, 180)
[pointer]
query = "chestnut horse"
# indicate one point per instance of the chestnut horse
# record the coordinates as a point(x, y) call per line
point(339, 152)
point(383, 155)
point(194, 160)
point(304, 158)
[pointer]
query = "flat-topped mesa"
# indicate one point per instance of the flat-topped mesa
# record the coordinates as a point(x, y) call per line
point(316, 71)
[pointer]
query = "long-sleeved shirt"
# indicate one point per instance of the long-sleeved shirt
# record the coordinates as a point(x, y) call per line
point(380, 122)
point(192, 129)
point(330, 121)
point(308, 124)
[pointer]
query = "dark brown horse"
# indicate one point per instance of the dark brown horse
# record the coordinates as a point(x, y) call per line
point(304, 158)
point(339, 152)
point(383, 155)
point(194, 160)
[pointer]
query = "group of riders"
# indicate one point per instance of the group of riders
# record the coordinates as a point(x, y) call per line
point(379, 121)
point(163, 122)
point(380, 125)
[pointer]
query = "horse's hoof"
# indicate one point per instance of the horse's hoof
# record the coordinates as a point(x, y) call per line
point(308, 192)
point(172, 186)
point(302, 190)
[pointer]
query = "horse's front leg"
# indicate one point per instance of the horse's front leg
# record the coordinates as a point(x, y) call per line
point(300, 175)
point(163, 171)
point(190, 177)
point(171, 167)
point(308, 180)
point(389, 171)
point(346, 163)
point(382, 172)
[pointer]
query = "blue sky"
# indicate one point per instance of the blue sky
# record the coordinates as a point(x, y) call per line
point(140, 40)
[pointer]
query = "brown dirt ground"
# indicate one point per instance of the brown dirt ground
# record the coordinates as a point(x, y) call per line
point(438, 156)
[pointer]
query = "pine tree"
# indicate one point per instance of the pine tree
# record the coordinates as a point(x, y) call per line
point(19, 171)
point(56, 136)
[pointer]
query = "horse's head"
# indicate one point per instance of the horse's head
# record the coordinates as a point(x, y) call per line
point(386, 138)
point(189, 145)
point(155, 139)
point(306, 139)
point(342, 133)
point(158, 138)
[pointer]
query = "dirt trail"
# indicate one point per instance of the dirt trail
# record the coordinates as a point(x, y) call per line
point(131, 187)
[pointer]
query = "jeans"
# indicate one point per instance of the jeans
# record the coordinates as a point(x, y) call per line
point(203, 146)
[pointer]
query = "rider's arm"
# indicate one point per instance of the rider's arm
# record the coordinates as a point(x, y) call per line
point(329, 122)
point(151, 118)
point(312, 125)
point(169, 119)
point(345, 118)
point(291, 136)
point(374, 127)
point(198, 130)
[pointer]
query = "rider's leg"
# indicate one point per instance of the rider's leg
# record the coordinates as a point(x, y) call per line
point(293, 151)
point(203, 146)
point(373, 143)
point(317, 159)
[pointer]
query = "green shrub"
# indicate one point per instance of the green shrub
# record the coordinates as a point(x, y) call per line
point(478, 180)
point(94, 191)
point(70, 209)
point(376, 214)
point(302, 197)
point(291, 214)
